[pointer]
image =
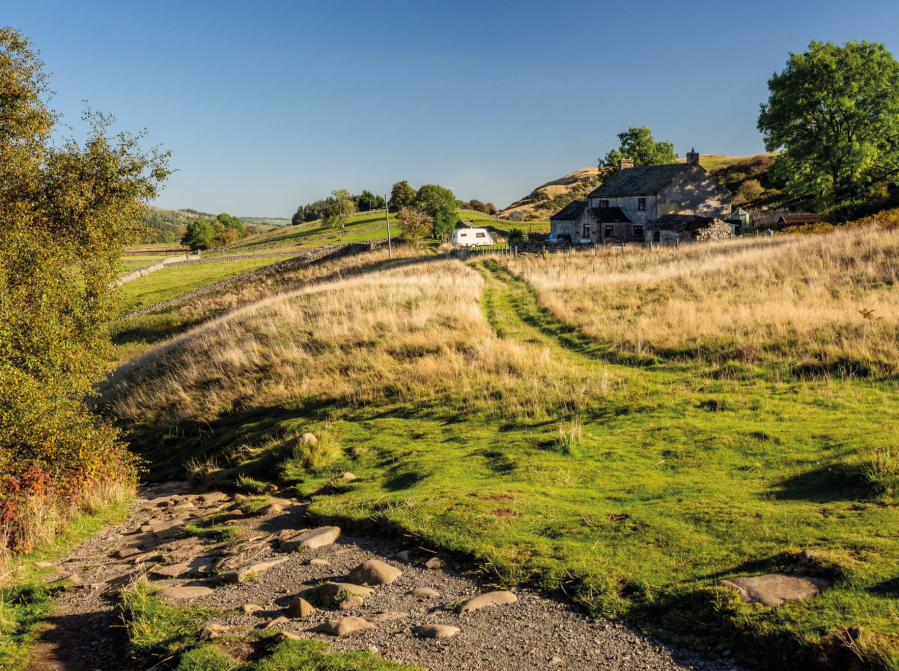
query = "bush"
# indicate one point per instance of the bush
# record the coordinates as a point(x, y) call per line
point(750, 190)
point(478, 206)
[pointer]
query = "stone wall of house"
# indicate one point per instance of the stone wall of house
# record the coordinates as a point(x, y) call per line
point(621, 232)
point(569, 226)
point(631, 207)
point(694, 191)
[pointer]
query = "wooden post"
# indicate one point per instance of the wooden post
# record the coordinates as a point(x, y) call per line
point(389, 243)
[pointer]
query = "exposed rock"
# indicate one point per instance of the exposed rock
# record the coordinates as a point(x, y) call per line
point(434, 563)
point(485, 600)
point(277, 622)
point(187, 569)
point(209, 498)
point(344, 626)
point(403, 556)
point(270, 489)
point(331, 589)
point(289, 636)
point(775, 589)
point(239, 498)
point(349, 477)
point(319, 562)
point(351, 603)
point(250, 608)
point(299, 607)
point(241, 555)
point(312, 539)
point(125, 553)
point(247, 572)
point(308, 439)
point(273, 509)
point(213, 631)
point(44, 564)
point(389, 616)
point(374, 572)
point(435, 631)
point(190, 592)
point(424, 593)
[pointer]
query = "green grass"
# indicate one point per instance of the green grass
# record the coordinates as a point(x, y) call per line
point(300, 235)
point(159, 632)
point(635, 505)
point(171, 282)
point(212, 528)
point(26, 605)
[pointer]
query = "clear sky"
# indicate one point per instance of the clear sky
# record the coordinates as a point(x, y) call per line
point(267, 104)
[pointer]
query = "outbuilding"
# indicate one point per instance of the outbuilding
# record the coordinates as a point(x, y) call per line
point(793, 220)
point(687, 227)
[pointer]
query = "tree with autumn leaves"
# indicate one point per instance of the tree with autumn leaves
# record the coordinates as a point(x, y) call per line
point(66, 211)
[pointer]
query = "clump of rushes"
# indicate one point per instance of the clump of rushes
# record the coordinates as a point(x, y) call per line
point(249, 484)
point(314, 453)
point(882, 470)
point(570, 437)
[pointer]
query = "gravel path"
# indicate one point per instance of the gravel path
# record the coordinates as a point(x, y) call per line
point(536, 632)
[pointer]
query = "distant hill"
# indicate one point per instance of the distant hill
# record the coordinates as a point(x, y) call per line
point(546, 200)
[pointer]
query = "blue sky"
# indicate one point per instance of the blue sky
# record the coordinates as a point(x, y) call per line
point(272, 103)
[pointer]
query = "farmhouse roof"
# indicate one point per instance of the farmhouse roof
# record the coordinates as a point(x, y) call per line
point(571, 211)
point(798, 219)
point(609, 215)
point(645, 180)
point(679, 222)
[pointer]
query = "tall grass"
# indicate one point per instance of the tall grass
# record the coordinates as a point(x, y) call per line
point(825, 303)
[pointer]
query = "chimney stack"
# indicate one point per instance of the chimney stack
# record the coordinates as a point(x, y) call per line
point(625, 163)
point(692, 157)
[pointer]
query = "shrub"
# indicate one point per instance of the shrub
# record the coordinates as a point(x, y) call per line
point(478, 206)
point(750, 190)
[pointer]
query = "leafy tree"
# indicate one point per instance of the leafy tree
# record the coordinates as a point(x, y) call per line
point(491, 209)
point(199, 234)
point(341, 210)
point(749, 190)
point(478, 206)
point(369, 201)
point(233, 223)
point(835, 113)
point(439, 204)
point(66, 210)
point(401, 195)
point(638, 143)
point(414, 224)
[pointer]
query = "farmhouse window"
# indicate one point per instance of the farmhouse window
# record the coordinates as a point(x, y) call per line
point(641, 204)
point(586, 231)
point(610, 231)
point(638, 232)
point(603, 203)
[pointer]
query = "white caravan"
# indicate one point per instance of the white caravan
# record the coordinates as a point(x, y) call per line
point(472, 237)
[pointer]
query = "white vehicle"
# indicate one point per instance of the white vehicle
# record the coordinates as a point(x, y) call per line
point(472, 237)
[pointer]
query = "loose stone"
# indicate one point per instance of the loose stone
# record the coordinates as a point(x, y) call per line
point(344, 626)
point(299, 607)
point(435, 631)
point(485, 600)
point(374, 572)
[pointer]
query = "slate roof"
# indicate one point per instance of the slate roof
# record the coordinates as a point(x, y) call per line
point(679, 222)
point(644, 180)
point(603, 215)
point(798, 219)
point(571, 211)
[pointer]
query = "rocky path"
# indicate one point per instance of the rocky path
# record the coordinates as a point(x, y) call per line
point(308, 582)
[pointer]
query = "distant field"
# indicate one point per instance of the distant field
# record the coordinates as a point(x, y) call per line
point(171, 282)
point(300, 235)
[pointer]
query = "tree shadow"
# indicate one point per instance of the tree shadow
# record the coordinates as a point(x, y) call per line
point(888, 588)
point(825, 484)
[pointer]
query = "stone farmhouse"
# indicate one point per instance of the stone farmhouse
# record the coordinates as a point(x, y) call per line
point(660, 203)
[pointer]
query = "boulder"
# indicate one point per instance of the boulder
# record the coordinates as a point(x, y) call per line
point(331, 589)
point(435, 631)
point(775, 589)
point(312, 539)
point(349, 477)
point(299, 607)
point(250, 608)
point(345, 626)
point(191, 592)
point(277, 622)
point(389, 616)
point(374, 572)
point(351, 603)
point(308, 439)
point(486, 600)
point(433, 563)
point(424, 593)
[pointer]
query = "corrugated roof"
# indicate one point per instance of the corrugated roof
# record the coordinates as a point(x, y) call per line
point(679, 222)
point(799, 219)
point(571, 211)
point(644, 180)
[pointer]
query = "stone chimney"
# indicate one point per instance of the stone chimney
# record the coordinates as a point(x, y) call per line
point(625, 163)
point(692, 157)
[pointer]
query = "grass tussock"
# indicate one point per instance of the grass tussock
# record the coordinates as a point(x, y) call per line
point(817, 303)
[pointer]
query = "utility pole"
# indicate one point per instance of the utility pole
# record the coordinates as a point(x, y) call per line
point(389, 243)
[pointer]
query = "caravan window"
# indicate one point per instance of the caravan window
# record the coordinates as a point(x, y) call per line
point(480, 235)
point(463, 235)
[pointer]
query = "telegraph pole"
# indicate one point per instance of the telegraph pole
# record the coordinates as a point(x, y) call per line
point(389, 243)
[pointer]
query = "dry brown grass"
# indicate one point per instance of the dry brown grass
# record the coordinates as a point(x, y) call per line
point(819, 302)
point(414, 335)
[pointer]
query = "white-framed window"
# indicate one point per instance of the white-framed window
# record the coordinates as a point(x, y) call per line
point(480, 235)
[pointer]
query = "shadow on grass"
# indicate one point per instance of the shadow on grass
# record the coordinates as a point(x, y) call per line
point(825, 484)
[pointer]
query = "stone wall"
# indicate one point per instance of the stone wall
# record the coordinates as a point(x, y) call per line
point(147, 270)
point(631, 207)
point(717, 230)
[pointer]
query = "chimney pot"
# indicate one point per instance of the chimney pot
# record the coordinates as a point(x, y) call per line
point(625, 163)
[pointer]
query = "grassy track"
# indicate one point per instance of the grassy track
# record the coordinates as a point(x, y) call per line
point(633, 485)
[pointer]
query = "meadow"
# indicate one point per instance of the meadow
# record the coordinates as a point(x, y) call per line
point(626, 429)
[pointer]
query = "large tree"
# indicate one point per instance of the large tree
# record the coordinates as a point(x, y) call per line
point(341, 210)
point(835, 113)
point(439, 204)
point(66, 210)
point(638, 143)
point(401, 195)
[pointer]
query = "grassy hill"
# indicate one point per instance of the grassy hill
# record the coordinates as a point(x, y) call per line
point(626, 429)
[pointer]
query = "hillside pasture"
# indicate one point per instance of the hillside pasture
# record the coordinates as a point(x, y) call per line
point(581, 424)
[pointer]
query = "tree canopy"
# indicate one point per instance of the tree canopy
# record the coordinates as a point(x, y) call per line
point(439, 204)
point(835, 113)
point(369, 201)
point(401, 195)
point(638, 143)
point(66, 210)
point(341, 209)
